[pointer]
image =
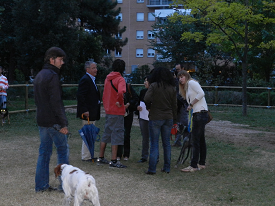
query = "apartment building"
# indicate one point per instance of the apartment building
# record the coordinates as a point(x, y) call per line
point(138, 16)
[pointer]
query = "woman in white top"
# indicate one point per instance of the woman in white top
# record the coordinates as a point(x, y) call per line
point(191, 90)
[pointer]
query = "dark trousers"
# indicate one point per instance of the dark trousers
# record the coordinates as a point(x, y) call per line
point(198, 139)
point(125, 149)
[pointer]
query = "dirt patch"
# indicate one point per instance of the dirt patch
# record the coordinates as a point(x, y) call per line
point(233, 133)
point(240, 134)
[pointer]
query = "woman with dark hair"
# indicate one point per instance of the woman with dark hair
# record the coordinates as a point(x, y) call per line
point(144, 121)
point(162, 101)
point(191, 90)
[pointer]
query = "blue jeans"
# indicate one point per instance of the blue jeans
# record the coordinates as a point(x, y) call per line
point(3, 101)
point(48, 135)
point(198, 139)
point(157, 127)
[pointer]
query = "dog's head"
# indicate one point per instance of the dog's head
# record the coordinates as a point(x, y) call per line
point(58, 169)
point(4, 112)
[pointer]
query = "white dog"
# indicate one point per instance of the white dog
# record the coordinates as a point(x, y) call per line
point(78, 184)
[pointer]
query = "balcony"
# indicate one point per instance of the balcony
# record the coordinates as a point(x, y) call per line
point(158, 3)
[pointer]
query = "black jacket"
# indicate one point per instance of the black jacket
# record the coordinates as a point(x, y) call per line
point(88, 98)
point(131, 97)
point(47, 94)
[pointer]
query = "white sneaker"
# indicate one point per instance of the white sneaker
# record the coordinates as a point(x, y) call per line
point(126, 159)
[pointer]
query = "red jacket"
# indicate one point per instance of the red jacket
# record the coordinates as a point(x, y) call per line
point(111, 96)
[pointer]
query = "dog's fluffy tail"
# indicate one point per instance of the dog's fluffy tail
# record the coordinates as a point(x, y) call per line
point(91, 191)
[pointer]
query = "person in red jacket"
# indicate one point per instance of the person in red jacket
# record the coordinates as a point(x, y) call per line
point(113, 102)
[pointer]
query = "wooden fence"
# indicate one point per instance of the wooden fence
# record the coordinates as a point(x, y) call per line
point(215, 88)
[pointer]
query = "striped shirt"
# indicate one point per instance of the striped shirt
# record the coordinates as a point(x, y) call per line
point(3, 85)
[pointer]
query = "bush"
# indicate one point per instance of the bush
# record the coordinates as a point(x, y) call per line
point(69, 93)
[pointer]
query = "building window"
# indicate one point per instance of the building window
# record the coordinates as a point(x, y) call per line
point(140, 1)
point(118, 54)
point(140, 16)
point(108, 52)
point(139, 52)
point(119, 1)
point(150, 53)
point(119, 36)
point(151, 35)
point(119, 16)
point(139, 34)
point(151, 17)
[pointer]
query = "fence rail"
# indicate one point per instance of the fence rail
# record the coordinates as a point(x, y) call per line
point(215, 88)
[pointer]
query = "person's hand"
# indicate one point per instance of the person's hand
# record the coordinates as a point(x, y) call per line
point(64, 130)
point(189, 108)
point(117, 104)
point(139, 108)
point(86, 114)
point(127, 105)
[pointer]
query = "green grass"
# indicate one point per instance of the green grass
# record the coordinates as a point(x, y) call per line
point(260, 118)
point(19, 104)
point(232, 176)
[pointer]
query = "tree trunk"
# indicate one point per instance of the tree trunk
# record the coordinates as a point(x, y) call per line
point(244, 72)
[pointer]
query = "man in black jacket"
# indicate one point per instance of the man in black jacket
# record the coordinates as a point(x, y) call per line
point(51, 117)
point(88, 101)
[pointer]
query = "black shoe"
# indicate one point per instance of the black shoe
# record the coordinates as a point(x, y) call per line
point(150, 173)
point(162, 170)
point(89, 160)
point(49, 189)
point(142, 160)
point(176, 145)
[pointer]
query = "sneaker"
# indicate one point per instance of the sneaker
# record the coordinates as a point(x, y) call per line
point(125, 158)
point(190, 169)
point(142, 160)
point(116, 165)
point(118, 158)
point(100, 161)
point(162, 170)
point(201, 167)
point(149, 173)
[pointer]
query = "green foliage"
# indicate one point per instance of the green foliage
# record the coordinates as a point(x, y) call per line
point(100, 18)
point(137, 76)
point(232, 26)
point(167, 35)
point(69, 93)
point(84, 30)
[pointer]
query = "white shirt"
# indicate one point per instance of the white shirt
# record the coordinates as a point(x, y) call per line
point(195, 91)
point(93, 78)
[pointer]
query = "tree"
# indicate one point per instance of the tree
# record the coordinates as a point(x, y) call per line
point(262, 58)
point(29, 28)
point(166, 42)
point(100, 18)
point(7, 36)
point(47, 27)
point(230, 28)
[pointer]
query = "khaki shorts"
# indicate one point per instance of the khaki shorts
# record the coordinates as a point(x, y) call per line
point(114, 130)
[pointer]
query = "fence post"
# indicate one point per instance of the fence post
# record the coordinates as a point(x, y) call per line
point(268, 100)
point(216, 95)
point(27, 97)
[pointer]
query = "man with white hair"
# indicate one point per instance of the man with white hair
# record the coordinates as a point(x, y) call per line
point(88, 102)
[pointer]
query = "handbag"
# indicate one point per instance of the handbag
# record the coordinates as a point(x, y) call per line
point(210, 117)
